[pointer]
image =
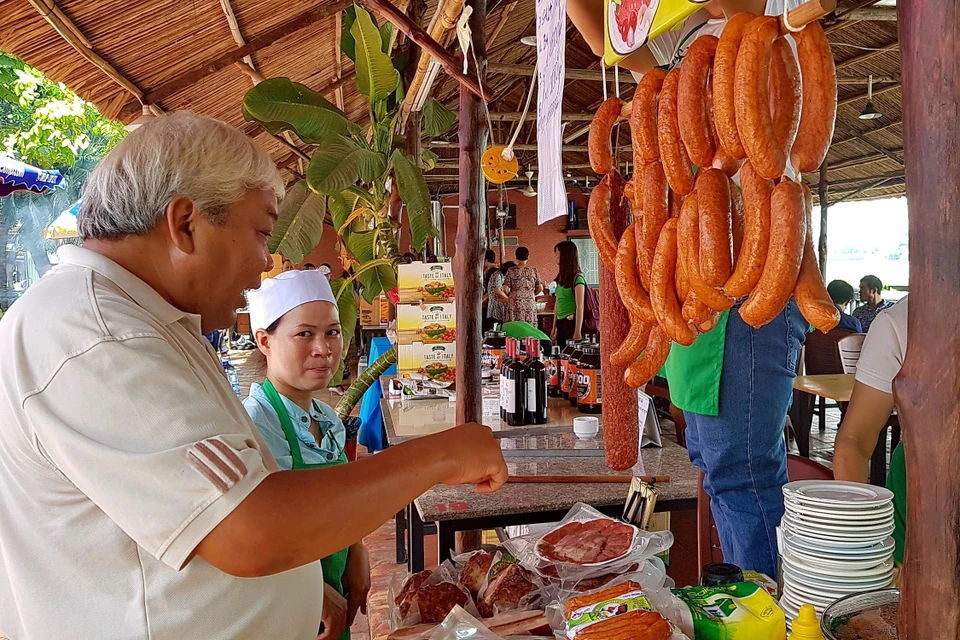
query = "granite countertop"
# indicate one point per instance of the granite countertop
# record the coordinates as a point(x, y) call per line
point(458, 502)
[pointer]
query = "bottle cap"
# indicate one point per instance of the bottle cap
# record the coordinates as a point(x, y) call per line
point(719, 573)
point(806, 626)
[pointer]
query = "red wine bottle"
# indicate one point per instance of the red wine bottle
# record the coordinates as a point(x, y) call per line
point(536, 384)
point(515, 396)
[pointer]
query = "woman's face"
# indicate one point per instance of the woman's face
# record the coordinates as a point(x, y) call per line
point(304, 351)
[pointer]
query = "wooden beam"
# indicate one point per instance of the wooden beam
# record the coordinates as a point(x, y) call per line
point(824, 207)
point(504, 16)
point(870, 158)
point(860, 136)
point(884, 151)
point(568, 74)
point(254, 44)
point(864, 95)
point(871, 14)
point(867, 187)
point(338, 56)
point(69, 32)
point(514, 116)
point(925, 390)
point(856, 181)
point(870, 55)
point(444, 144)
point(415, 32)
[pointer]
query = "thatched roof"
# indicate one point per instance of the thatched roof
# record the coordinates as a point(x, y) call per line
point(181, 56)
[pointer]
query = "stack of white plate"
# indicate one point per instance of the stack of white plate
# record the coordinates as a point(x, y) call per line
point(834, 541)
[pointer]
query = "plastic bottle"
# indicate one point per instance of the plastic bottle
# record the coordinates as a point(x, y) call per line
point(536, 384)
point(589, 384)
point(553, 373)
point(565, 380)
point(491, 354)
point(806, 626)
point(572, 368)
point(232, 376)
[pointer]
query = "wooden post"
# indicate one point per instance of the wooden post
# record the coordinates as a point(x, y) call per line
point(468, 260)
point(926, 388)
point(824, 205)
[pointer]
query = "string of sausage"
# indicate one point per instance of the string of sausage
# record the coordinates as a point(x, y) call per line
point(818, 112)
point(811, 294)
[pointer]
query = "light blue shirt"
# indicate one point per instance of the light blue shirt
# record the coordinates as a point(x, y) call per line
point(332, 433)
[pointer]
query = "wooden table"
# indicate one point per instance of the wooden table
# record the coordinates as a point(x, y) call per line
point(839, 388)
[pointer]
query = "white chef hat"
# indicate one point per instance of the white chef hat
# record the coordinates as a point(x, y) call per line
point(284, 292)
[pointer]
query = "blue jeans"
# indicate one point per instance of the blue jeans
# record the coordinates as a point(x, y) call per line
point(741, 451)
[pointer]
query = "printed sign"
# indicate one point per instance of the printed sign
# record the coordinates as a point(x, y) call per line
point(551, 59)
point(630, 24)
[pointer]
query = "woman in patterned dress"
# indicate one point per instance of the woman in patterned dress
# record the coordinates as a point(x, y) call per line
point(522, 285)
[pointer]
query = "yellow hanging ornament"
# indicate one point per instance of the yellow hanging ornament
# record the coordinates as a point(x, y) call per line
point(495, 168)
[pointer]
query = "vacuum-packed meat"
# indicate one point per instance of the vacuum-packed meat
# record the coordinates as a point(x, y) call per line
point(590, 542)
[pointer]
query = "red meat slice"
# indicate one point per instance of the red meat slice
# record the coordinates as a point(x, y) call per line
point(505, 590)
point(587, 542)
point(475, 570)
point(408, 593)
point(437, 600)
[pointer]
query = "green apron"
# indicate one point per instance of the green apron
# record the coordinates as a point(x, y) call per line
point(333, 565)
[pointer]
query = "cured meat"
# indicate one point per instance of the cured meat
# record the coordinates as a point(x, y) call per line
point(756, 237)
point(587, 543)
point(818, 112)
point(598, 218)
point(811, 294)
point(506, 591)
point(694, 106)
point(724, 78)
point(676, 161)
point(598, 141)
point(475, 570)
point(643, 118)
point(437, 600)
point(688, 241)
point(620, 620)
point(407, 595)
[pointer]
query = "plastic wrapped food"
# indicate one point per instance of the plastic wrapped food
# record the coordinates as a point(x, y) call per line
point(588, 543)
point(427, 597)
point(408, 592)
point(738, 610)
point(475, 569)
point(509, 587)
point(621, 611)
point(435, 601)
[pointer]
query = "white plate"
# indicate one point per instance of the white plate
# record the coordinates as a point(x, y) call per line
point(810, 511)
point(815, 518)
point(830, 586)
point(820, 540)
point(795, 598)
point(836, 567)
point(798, 594)
point(838, 574)
point(815, 547)
point(844, 533)
point(837, 493)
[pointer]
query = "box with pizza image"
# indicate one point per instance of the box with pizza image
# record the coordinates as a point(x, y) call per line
point(628, 25)
point(428, 322)
point(428, 361)
point(425, 282)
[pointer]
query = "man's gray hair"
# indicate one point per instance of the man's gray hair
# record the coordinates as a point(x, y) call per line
point(179, 154)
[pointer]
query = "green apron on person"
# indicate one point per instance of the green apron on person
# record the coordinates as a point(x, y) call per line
point(335, 564)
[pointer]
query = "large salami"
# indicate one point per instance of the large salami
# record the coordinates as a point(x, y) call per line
point(620, 433)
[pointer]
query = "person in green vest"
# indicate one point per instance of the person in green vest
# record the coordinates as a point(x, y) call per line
point(297, 326)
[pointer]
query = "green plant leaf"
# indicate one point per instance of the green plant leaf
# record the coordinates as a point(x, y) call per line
point(299, 224)
point(428, 160)
point(347, 43)
point(376, 77)
point(362, 245)
point(343, 204)
point(414, 193)
point(349, 314)
point(386, 36)
point(280, 104)
point(437, 119)
point(340, 163)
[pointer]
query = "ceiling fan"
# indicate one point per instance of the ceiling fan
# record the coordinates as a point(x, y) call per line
point(529, 191)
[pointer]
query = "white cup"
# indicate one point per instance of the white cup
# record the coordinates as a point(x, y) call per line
point(586, 427)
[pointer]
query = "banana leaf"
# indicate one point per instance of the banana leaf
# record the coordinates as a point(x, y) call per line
point(341, 163)
point(281, 104)
point(299, 226)
point(414, 193)
point(376, 77)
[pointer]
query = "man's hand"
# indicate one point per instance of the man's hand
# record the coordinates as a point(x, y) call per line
point(356, 581)
point(474, 457)
point(334, 616)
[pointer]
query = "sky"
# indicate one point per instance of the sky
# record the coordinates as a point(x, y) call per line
point(867, 238)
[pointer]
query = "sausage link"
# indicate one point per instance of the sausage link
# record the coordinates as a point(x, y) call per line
point(713, 195)
point(688, 241)
point(694, 109)
point(682, 282)
point(663, 292)
point(737, 221)
point(756, 234)
point(675, 203)
point(673, 153)
point(812, 296)
point(784, 93)
point(699, 315)
point(655, 214)
point(632, 293)
point(634, 343)
point(752, 98)
point(726, 162)
point(598, 219)
point(818, 112)
point(598, 141)
point(782, 268)
point(724, 79)
point(643, 118)
point(650, 361)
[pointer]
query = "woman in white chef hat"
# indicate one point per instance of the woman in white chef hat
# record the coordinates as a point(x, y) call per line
point(297, 327)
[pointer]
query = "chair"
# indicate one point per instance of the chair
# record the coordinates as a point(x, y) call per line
point(848, 349)
point(708, 539)
point(822, 355)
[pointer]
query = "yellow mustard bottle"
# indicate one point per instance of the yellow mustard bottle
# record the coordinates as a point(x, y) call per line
point(806, 626)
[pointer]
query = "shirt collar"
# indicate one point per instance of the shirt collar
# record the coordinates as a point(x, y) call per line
point(294, 410)
point(138, 290)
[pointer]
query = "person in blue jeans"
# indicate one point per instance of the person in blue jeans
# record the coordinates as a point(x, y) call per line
point(735, 386)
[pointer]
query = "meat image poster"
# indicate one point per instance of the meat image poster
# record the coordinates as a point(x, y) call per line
point(630, 24)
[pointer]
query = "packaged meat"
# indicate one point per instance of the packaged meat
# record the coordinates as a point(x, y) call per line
point(509, 587)
point(435, 601)
point(427, 597)
point(621, 611)
point(586, 544)
point(474, 572)
point(408, 592)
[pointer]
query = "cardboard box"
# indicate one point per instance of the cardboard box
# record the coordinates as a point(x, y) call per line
point(375, 314)
point(427, 322)
point(436, 361)
point(425, 282)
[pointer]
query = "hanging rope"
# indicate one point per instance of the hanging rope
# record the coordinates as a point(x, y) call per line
point(508, 152)
point(603, 73)
point(465, 37)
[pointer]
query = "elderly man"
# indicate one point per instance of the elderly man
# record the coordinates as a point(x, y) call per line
point(138, 499)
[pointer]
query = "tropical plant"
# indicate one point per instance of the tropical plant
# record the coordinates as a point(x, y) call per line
point(355, 167)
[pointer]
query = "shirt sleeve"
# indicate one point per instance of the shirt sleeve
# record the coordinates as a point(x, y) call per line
point(881, 356)
point(132, 426)
point(271, 432)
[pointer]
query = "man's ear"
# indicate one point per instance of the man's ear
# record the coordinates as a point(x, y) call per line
point(181, 217)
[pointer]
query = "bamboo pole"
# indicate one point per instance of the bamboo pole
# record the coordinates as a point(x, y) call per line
point(338, 56)
point(415, 32)
point(468, 260)
point(824, 206)
point(504, 16)
point(448, 11)
point(926, 388)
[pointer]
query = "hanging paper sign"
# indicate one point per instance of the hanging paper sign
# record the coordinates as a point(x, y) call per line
point(630, 24)
point(551, 59)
